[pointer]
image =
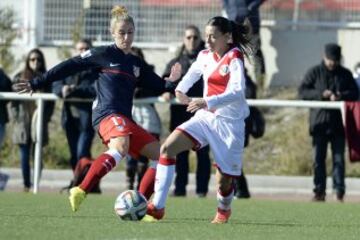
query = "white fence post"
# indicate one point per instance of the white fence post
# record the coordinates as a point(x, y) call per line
point(38, 144)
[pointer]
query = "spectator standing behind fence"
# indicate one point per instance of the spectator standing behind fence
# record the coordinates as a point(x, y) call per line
point(192, 45)
point(357, 77)
point(241, 185)
point(238, 11)
point(328, 81)
point(76, 116)
point(23, 114)
point(5, 86)
point(147, 117)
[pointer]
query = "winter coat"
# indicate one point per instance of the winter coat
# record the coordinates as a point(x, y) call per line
point(238, 10)
point(84, 88)
point(316, 81)
point(23, 121)
point(178, 113)
point(145, 114)
point(5, 86)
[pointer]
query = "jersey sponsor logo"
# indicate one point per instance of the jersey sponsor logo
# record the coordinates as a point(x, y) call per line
point(136, 71)
point(224, 69)
point(114, 64)
point(86, 54)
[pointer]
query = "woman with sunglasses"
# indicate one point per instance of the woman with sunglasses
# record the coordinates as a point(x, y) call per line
point(23, 112)
point(190, 48)
point(120, 72)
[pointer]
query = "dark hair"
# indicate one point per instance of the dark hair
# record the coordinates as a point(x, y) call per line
point(241, 33)
point(181, 51)
point(28, 73)
point(87, 41)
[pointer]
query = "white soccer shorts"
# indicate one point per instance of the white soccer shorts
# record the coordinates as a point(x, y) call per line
point(225, 137)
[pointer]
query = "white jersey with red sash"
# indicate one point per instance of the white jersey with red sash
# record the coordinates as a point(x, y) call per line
point(221, 125)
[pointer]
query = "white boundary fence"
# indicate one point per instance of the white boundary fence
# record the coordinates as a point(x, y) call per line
point(41, 97)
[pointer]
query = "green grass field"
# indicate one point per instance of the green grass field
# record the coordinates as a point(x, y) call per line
point(48, 216)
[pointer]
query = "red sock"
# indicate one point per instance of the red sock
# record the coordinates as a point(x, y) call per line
point(147, 183)
point(99, 168)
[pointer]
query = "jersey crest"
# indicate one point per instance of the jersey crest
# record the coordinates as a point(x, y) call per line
point(224, 69)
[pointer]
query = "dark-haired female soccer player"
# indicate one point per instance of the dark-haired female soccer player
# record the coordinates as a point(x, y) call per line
point(219, 118)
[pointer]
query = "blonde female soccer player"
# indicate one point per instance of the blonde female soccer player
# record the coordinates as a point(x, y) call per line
point(120, 72)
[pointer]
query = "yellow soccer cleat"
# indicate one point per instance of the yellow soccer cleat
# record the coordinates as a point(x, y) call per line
point(149, 219)
point(77, 196)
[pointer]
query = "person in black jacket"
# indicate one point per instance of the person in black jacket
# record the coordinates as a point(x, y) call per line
point(5, 86)
point(239, 11)
point(241, 185)
point(328, 81)
point(76, 116)
point(146, 116)
point(192, 45)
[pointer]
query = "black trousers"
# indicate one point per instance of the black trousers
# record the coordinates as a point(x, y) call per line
point(320, 143)
point(203, 171)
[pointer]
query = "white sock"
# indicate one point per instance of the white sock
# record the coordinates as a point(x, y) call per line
point(163, 180)
point(224, 202)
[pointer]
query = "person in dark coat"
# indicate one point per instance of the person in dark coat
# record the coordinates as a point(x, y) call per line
point(147, 117)
point(192, 45)
point(239, 11)
point(5, 86)
point(328, 81)
point(241, 185)
point(76, 116)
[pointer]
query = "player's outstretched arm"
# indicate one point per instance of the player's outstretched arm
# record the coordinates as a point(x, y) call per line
point(175, 73)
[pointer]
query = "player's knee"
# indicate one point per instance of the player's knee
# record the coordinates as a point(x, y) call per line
point(115, 154)
point(225, 184)
point(164, 149)
point(120, 146)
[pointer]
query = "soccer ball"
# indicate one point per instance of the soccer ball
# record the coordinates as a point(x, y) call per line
point(130, 205)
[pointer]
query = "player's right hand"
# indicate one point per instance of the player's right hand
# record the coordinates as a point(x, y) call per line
point(23, 87)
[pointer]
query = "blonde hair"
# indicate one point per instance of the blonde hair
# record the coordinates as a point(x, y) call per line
point(120, 13)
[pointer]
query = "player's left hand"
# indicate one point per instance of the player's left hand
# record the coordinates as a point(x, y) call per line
point(196, 104)
point(175, 73)
point(23, 87)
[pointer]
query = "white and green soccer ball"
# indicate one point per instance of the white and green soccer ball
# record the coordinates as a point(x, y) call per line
point(130, 205)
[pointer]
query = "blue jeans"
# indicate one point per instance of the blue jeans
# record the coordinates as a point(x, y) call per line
point(25, 150)
point(79, 142)
point(2, 133)
point(320, 143)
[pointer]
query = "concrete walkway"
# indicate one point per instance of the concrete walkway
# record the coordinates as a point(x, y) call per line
point(269, 187)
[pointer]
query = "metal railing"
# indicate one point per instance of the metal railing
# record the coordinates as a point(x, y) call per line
point(41, 97)
point(160, 23)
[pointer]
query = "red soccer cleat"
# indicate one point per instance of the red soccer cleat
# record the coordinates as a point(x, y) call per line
point(222, 216)
point(155, 213)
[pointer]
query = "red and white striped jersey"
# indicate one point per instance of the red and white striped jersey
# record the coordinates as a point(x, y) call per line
point(224, 82)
